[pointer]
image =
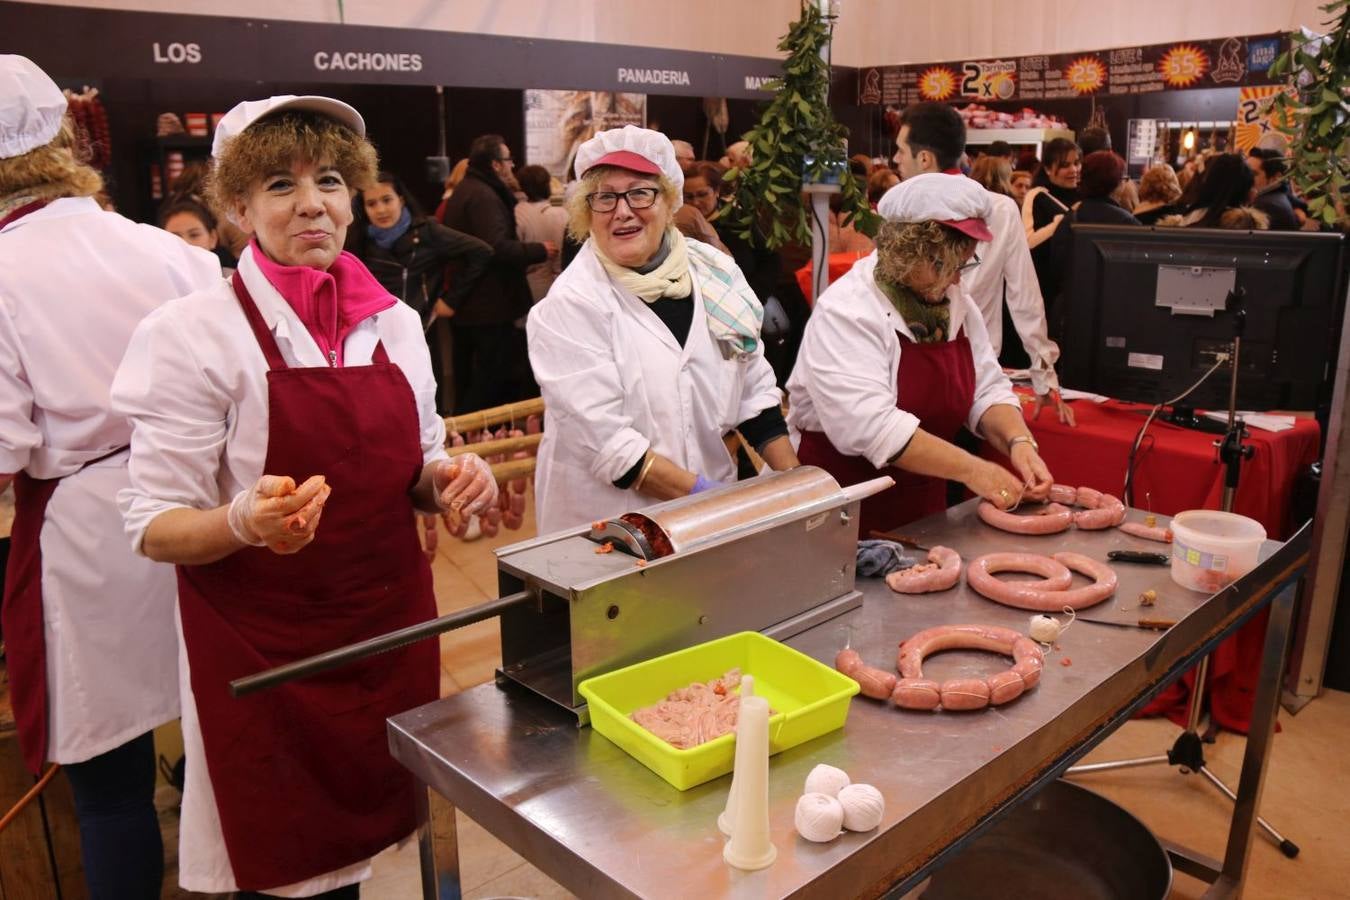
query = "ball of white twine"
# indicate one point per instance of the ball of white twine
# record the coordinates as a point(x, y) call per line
point(819, 817)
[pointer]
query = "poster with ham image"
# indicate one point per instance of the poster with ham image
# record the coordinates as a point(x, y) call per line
point(558, 122)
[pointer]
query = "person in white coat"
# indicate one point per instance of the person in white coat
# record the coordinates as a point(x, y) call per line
point(646, 348)
point(284, 433)
point(88, 625)
point(895, 360)
point(932, 138)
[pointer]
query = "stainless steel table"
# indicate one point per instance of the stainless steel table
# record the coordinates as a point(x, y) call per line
point(602, 825)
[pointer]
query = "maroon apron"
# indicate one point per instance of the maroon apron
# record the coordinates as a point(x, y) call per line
point(936, 383)
point(21, 618)
point(302, 775)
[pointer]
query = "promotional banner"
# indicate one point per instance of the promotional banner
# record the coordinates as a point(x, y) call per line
point(1254, 119)
point(73, 42)
point(558, 122)
point(1223, 62)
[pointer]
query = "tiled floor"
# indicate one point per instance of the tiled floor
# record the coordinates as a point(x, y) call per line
point(1305, 793)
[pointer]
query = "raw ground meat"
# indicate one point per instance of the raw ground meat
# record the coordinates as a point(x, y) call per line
point(696, 714)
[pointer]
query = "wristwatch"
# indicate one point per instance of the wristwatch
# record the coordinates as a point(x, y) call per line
point(1024, 439)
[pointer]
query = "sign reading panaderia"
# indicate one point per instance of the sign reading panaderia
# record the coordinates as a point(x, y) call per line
point(1223, 62)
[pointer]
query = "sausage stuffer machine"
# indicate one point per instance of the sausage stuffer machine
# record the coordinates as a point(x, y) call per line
point(773, 554)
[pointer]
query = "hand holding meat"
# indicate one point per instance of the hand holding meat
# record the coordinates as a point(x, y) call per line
point(994, 483)
point(274, 513)
point(464, 485)
point(1032, 468)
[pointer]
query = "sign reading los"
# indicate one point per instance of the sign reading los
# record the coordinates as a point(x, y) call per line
point(1125, 70)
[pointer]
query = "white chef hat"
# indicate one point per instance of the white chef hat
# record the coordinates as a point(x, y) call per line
point(952, 200)
point(637, 149)
point(31, 106)
point(250, 111)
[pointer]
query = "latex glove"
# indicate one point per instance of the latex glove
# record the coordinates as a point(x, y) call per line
point(1063, 409)
point(274, 513)
point(1035, 476)
point(464, 485)
point(702, 484)
point(994, 483)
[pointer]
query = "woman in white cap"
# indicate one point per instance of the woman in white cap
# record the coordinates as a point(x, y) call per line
point(88, 625)
point(896, 359)
point(284, 432)
point(646, 348)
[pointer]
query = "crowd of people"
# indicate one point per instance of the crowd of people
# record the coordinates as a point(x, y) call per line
point(224, 472)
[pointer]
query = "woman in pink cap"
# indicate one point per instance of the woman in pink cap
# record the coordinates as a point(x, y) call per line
point(285, 430)
point(646, 348)
point(896, 360)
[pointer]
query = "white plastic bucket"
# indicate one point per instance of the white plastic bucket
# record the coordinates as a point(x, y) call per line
point(1212, 549)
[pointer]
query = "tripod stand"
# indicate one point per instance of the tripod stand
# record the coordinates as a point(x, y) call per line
point(1188, 750)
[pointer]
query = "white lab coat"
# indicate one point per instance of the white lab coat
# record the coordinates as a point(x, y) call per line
point(1006, 260)
point(845, 381)
point(75, 281)
point(194, 385)
point(615, 381)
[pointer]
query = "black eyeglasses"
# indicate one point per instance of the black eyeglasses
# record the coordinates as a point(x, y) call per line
point(975, 261)
point(637, 198)
point(504, 159)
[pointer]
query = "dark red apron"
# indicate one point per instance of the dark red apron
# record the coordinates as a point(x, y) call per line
point(21, 618)
point(302, 775)
point(936, 383)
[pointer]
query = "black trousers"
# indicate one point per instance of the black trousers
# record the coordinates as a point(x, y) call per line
point(120, 845)
point(492, 366)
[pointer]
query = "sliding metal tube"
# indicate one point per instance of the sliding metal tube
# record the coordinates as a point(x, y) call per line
point(380, 644)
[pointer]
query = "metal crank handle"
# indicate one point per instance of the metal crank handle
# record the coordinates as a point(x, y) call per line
point(331, 659)
point(864, 489)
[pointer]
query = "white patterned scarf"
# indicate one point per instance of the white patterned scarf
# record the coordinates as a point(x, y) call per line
point(734, 313)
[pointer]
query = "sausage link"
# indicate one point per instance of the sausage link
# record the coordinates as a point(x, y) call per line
point(1140, 530)
point(917, 693)
point(1005, 687)
point(942, 571)
point(1050, 519)
point(874, 682)
point(1063, 493)
point(1108, 512)
point(980, 574)
point(1088, 498)
point(1103, 586)
point(965, 694)
point(1024, 648)
point(1030, 671)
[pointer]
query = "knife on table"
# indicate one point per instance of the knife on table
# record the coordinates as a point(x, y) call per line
point(1139, 556)
point(1146, 624)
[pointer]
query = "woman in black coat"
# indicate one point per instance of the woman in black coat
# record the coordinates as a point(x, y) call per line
point(426, 265)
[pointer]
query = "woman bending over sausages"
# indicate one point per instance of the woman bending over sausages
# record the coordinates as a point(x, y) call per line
point(284, 431)
point(646, 348)
point(896, 359)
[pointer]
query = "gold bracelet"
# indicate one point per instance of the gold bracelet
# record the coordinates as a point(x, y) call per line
point(646, 468)
point(1023, 439)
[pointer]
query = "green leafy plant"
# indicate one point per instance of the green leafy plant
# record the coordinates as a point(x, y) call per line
point(1317, 117)
point(797, 140)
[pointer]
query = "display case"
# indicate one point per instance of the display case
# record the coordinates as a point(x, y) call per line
point(1017, 137)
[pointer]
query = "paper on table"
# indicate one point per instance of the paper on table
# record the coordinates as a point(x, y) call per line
point(1263, 421)
point(1071, 394)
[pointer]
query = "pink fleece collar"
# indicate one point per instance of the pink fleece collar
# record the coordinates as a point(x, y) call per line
point(330, 303)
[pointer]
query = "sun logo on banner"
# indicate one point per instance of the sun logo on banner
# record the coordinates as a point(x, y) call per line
point(1183, 65)
point(1086, 74)
point(937, 84)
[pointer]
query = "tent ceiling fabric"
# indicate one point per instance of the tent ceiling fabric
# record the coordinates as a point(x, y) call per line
point(870, 32)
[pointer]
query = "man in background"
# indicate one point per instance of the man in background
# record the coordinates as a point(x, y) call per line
point(490, 360)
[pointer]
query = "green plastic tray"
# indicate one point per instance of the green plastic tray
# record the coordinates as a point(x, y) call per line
point(809, 699)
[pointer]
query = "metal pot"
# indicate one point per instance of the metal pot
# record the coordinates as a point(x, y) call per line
point(1066, 843)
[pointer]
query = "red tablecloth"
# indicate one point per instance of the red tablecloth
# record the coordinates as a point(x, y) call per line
point(839, 264)
point(1179, 469)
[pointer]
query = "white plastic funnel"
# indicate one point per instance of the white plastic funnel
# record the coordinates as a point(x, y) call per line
point(750, 847)
point(724, 818)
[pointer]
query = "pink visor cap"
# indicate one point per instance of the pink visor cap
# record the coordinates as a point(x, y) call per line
point(958, 202)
